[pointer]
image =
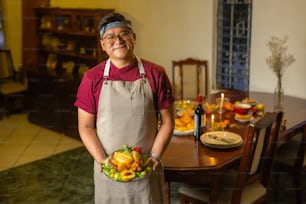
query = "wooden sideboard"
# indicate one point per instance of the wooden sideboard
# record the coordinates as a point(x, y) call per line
point(50, 101)
point(64, 44)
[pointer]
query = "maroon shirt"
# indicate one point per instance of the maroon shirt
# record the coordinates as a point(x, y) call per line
point(89, 90)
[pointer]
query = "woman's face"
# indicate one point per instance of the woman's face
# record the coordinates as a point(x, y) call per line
point(118, 43)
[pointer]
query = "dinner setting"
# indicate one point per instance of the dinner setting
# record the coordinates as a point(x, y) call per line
point(218, 121)
point(217, 116)
point(226, 124)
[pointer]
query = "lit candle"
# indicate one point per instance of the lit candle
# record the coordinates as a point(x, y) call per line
point(221, 102)
point(204, 121)
point(212, 120)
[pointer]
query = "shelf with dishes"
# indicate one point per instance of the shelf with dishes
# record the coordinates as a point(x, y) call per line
point(70, 54)
point(83, 47)
point(70, 66)
point(62, 45)
point(68, 32)
point(78, 20)
point(68, 35)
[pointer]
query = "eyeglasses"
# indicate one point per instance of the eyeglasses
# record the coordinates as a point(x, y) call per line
point(123, 35)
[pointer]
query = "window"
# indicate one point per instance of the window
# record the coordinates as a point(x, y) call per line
point(234, 36)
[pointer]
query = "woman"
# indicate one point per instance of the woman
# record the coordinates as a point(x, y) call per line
point(119, 101)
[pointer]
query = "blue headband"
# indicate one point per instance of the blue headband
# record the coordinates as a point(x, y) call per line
point(113, 25)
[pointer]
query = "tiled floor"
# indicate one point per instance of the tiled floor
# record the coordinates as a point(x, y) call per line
point(23, 142)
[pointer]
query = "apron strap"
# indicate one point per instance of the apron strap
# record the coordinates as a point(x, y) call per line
point(106, 70)
point(140, 67)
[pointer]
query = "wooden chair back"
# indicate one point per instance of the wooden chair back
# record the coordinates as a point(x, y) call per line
point(190, 78)
point(300, 162)
point(292, 160)
point(6, 65)
point(253, 176)
point(300, 167)
point(258, 153)
point(13, 84)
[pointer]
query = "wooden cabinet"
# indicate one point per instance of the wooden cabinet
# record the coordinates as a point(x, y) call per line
point(67, 45)
point(29, 32)
point(68, 40)
point(51, 102)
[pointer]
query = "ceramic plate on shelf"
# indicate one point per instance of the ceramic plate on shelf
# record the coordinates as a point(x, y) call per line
point(221, 139)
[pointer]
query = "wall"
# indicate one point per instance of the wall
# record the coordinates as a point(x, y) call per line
point(12, 29)
point(165, 32)
point(175, 29)
point(279, 18)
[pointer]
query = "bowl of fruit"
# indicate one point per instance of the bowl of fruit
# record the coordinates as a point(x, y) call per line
point(242, 108)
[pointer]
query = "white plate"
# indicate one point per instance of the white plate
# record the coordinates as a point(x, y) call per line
point(182, 133)
point(221, 139)
point(243, 120)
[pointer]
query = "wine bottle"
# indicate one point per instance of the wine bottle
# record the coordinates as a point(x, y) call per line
point(198, 118)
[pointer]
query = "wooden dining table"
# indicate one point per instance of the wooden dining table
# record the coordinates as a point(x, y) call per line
point(188, 160)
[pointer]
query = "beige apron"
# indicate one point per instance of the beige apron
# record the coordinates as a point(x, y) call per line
point(126, 115)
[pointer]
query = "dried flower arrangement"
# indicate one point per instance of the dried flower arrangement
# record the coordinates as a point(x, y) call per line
point(279, 60)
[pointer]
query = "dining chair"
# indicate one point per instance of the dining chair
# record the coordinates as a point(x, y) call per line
point(250, 183)
point(13, 84)
point(291, 160)
point(190, 78)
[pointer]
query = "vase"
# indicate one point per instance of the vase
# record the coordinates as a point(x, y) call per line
point(278, 97)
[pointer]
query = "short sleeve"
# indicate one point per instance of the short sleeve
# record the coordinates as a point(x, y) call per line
point(85, 95)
